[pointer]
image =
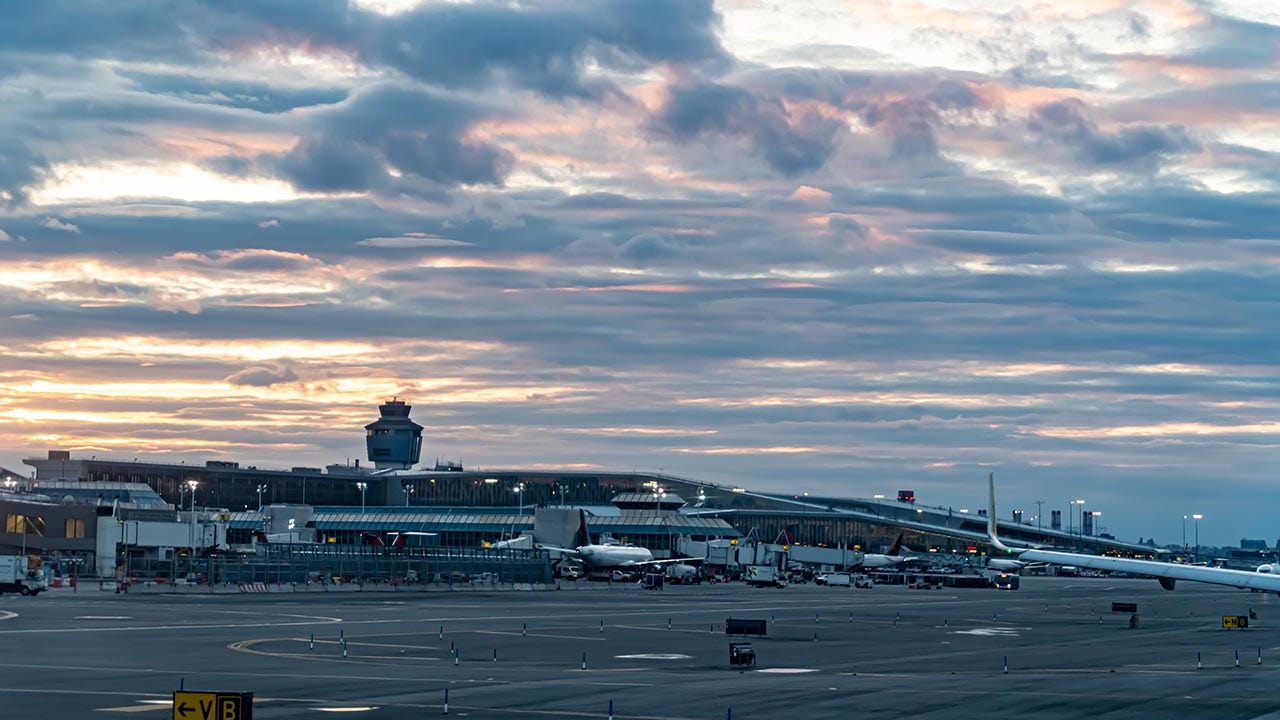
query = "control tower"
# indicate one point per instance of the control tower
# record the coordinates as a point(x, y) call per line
point(393, 440)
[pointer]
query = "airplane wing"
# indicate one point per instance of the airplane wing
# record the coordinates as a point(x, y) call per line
point(682, 561)
point(1166, 573)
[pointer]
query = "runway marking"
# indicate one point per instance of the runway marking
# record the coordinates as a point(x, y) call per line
point(542, 635)
point(655, 656)
point(989, 632)
point(786, 671)
point(246, 646)
point(7, 615)
point(103, 617)
point(134, 708)
point(305, 617)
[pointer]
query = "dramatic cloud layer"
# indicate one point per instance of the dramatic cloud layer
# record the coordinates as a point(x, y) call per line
point(803, 247)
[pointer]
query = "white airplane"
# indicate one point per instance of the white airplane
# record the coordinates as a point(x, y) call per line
point(893, 559)
point(1166, 573)
point(1006, 565)
point(604, 556)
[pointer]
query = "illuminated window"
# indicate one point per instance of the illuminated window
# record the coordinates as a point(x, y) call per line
point(74, 528)
point(14, 523)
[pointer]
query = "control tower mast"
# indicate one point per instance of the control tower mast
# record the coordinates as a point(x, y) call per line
point(394, 441)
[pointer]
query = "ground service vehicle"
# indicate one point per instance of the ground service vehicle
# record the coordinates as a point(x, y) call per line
point(834, 580)
point(22, 574)
point(763, 576)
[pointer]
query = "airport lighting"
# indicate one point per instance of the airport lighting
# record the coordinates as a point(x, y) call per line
point(519, 491)
point(1197, 517)
point(408, 493)
point(362, 486)
point(261, 489)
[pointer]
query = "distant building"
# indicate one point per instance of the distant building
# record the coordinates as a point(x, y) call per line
point(1247, 544)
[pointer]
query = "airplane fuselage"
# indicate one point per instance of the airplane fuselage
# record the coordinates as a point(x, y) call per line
point(600, 557)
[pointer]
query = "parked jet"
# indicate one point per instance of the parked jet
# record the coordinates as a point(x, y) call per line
point(601, 556)
point(892, 560)
point(1166, 573)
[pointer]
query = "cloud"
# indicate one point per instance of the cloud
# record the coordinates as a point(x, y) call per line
point(388, 139)
point(272, 223)
point(1065, 123)
point(411, 240)
point(4, 236)
point(264, 375)
point(791, 142)
point(56, 224)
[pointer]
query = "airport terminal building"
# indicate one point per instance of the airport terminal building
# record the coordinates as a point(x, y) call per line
point(457, 507)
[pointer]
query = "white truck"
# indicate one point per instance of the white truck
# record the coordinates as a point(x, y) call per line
point(22, 574)
point(763, 576)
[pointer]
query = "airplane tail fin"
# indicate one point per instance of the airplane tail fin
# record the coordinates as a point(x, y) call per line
point(582, 537)
point(896, 549)
point(991, 517)
point(399, 541)
point(371, 539)
point(261, 536)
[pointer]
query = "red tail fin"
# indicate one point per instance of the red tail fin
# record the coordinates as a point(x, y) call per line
point(261, 536)
point(371, 539)
point(897, 546)
point(582, 538)
point(399, 541)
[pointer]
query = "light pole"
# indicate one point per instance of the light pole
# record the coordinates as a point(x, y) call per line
point(1039, 514)
point(1070, 520)
point(658, 494)
point(261, 489)
point(191, 510)
point(1197, 517)
point(519, 491)
point(362, 486)
point(408, 492)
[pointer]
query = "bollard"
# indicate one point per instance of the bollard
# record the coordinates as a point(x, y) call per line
point(495, 654)
point(451, 646)
point(601, 626)
point(313, 641)
point(1259, 656)
point(729, 716)
point(1099, 619)
point(1198, 665)
point(584, 661)
point(610, 710)
point(524, 630)
point(1006, 664)
point(815, 637)
point(1237, 658)
point(341, 635)
point(895, 622)
point(344, 648)
point(850, 617)
point(668, 623)
point(993, 616)
point(815, 617)
point(944, 622)
point(182, 683)
point(897, 616)
point(711, 628)
point(441, 632)
point(1046, 607)
point(455, 657)
point(446, 701)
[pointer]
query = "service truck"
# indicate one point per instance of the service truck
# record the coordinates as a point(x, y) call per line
point(763, 576)
point(22, 574)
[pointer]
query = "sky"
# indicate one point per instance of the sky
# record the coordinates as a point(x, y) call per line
point(842, 248)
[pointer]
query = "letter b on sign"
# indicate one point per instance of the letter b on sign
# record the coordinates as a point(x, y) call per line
point(229, 709)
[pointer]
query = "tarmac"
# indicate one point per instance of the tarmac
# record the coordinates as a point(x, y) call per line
point(1052, 649)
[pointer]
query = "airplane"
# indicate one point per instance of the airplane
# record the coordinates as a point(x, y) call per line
point(894, 559)
point(1166, 573)
point(1007, 565)
point(397, 538)
point(602, 556)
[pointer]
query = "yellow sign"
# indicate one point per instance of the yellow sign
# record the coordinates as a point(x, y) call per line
point(212, 705)
point(1235, 621)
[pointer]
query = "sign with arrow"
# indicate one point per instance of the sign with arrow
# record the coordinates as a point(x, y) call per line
point(212, 705)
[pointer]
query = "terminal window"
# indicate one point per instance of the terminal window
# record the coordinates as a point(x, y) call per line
point(24, 524)
point(74, 528)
